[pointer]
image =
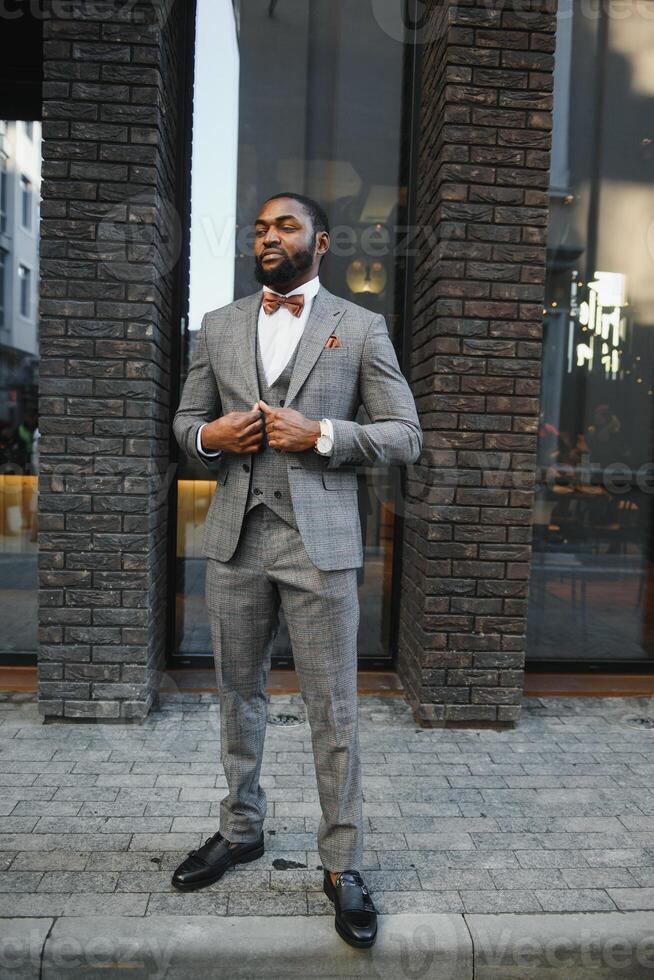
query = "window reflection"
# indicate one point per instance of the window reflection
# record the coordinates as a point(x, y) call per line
point(341, 82)
point(591, 583)
point(20, 170)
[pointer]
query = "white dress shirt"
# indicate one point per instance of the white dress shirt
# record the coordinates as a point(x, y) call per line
point(279, 334)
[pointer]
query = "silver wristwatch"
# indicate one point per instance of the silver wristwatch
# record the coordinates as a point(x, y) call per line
point(325, 442)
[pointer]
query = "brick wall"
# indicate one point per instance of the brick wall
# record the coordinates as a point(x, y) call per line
point(475, 365)
point(109, 248)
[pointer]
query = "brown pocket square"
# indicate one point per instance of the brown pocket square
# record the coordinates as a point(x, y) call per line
point(333, 341)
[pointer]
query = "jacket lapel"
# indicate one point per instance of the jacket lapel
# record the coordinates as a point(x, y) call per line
point(245, 317)
point(326, 312)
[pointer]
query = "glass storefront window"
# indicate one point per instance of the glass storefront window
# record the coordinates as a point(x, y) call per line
point(314, 103)
point(591, 593)
point(20, 174)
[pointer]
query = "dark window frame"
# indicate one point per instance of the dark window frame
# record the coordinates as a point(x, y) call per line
point(408, 176)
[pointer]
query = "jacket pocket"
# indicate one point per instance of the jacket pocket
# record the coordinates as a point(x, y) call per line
point(339, 480)
point(220, 471)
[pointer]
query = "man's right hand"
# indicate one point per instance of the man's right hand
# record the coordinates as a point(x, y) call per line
point(236, 432)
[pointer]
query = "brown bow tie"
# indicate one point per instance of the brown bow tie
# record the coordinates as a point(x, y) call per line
point(272, 302)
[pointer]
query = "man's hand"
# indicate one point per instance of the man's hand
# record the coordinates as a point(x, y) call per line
point(289, 430)
point(236, 432)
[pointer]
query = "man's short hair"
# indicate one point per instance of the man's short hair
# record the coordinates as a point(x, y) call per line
point(318, 215)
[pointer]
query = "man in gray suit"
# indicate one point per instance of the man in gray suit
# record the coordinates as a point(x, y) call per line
point(268, 407)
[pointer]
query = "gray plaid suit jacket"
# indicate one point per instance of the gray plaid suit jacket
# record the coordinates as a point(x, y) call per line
point(326, 382)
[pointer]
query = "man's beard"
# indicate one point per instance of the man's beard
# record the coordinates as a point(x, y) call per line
point(285, 271)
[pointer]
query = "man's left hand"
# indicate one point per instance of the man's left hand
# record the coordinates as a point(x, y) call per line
point(289, 430)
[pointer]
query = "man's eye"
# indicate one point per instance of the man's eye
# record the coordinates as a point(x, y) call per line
point(288, 228)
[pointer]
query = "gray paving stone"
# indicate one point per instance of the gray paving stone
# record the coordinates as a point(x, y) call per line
point(164, 842)
point(192, 794)
point(634, 821)
point(6, 858)
point(643, 876)
point(263, 903)
point(370, 859)
point(16, 794)
point(15, 906)
point(7, 806)
point(449, 879)
point(617, 857)
point(101, 904)
point(528, 878)
point(50, 861)
point(426, 825)
point(551, 859)
point(14, 824)
point(82, 793)
point(196, 903)
point(289, 842)
point(138, 824)
point(385, 880)
point(70, 825)
point(77, 881)
point(19, 881)
point(125, 861)
point(46, 808)
point(146, 794)
point(548, 823)
point(209, 825)
point(117, 808)
point(417, 902)
point(143, 881)
point(575, 900)
point(512, 900)
point(439, 842)
point(629, 899)
point(74, 842)
point(279, 879)
point(600, 878)
point(407, 809)
point(480, 782)
point(301, 809)
point(482, 859)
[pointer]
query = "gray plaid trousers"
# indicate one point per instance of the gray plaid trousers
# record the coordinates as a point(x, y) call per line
point(271, 565)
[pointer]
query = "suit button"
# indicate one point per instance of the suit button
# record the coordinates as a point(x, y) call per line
point(281, 401)
point(246, 467)
point(278, 493)
point(257, 490)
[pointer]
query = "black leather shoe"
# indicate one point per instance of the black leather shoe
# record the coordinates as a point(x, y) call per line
point(209, 862)
point(356, 915)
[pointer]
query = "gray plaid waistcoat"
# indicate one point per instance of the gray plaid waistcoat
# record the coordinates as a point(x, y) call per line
point(269, 472)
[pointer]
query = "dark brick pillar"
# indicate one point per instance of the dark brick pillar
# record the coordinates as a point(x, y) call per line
point(475, 365)
point(109, 273)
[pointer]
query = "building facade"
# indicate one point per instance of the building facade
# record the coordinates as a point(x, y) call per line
point(486, 169)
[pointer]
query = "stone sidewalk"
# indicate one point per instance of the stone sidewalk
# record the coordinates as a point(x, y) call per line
point(553, 816)
point(556, 815)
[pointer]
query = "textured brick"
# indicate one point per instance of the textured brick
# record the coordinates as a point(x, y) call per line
point(475, 364)
point(111, 131)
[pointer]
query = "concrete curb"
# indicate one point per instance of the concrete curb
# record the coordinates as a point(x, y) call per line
point(572, 945)
point(547, 946)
